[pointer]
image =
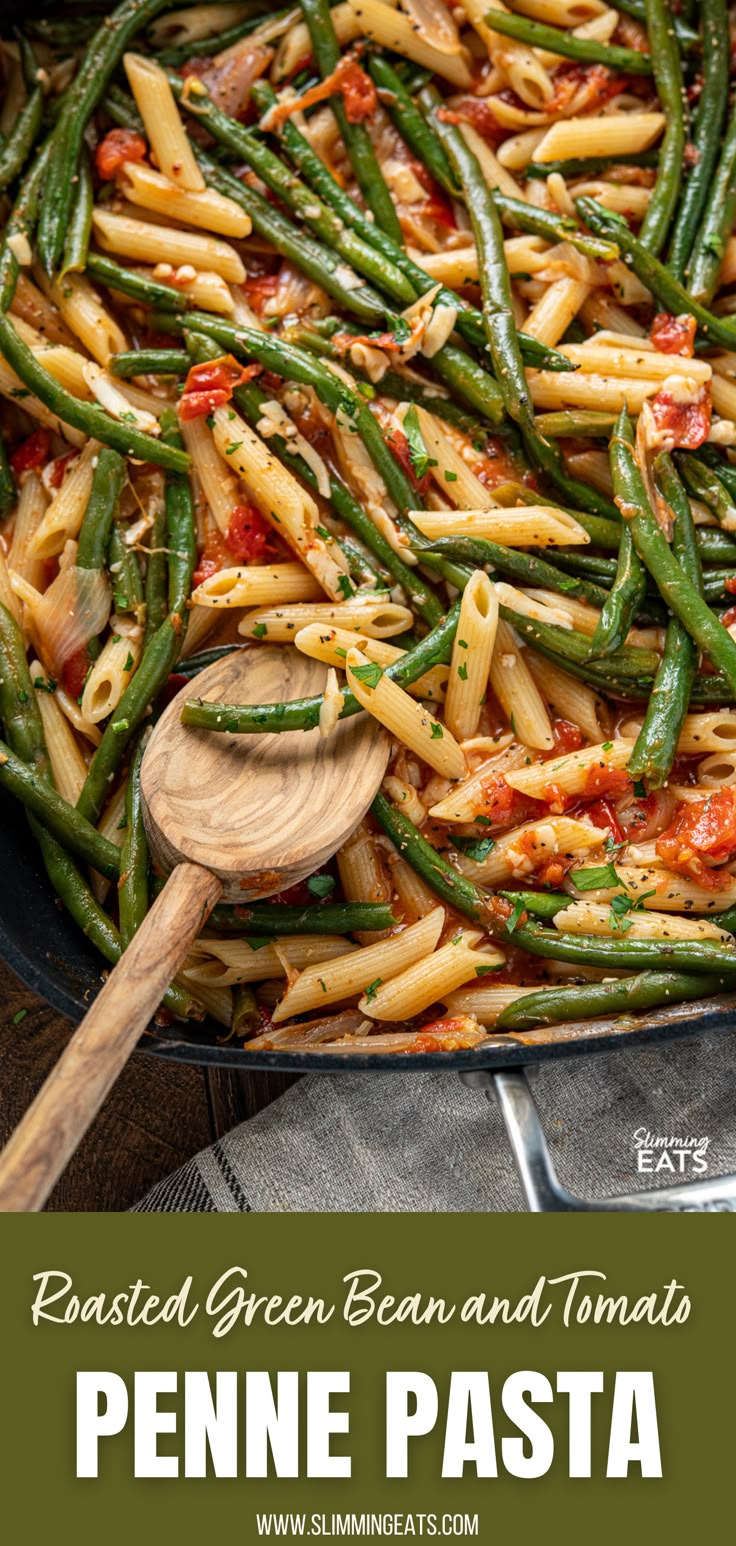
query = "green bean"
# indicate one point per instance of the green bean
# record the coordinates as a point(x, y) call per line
point(587, 565)
point(57, 816)
point(648, 990)
point(669, 292)
point(23, 136)
point(707, 134)
point(193, 664)
point(125, 573)
point(90, 418)
point(76, 246)
point(133, 886)
point(575, 421)
point(687, 36)
point(622, 601)
point(718, 585)
point(107, 485)
point(541, 904)
point(21, 223)
point(137, 286)
point(586, 166)
point(441, 877)
point(628, 663)
point(700, 956)
point(294, 193)
point(411, 123)
point(59, 33)
point(101, 58)
point(715, 547)
point(246, 1017)
point(526, 568)
point(705, 484)
point(676, 589)
point(303, 713)
point(156, 574)
point(710, 244)
point(149, 362)
point(558, 41)
point(670, 90)
point(8, 492)
point(727, 920)
point(274, 918)
point(161, 653)
point(355, 137)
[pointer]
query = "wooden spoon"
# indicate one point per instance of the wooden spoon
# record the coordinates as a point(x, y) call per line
point(229, 817)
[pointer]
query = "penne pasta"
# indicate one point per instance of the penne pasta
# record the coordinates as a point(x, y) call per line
point(256, 585)
point(148, 243)
point(411, 722)
point(518, 854)
point(394, 30)
point(615, 134)
point(471, 656)
point(575, 773)
point(332, 644)
point(517, 692)
point(586, 917)
point(533, 526)
point(327, 982)
point(425, 982)
point(206, 209)
point(164, 129)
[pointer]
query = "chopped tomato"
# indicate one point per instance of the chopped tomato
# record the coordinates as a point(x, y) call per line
point(260, 289)
point(729, 617)
point(605, 781)
point(478, 114)
point(59, 467)
point(349, 81)
point(567, 738)
point(592, 85)
point(399, 447)
point(439, 209)
point(74, 672)
point(213, 558)
point(602, 814)
point(211, 384)
point(450, 1035)
point(345, 341)
point(686, 424)
point(32, 452)
point(674, 335)
point(702, 834)
point(551, 872)
point(119, 146)
point(730, 585)
point(503, 806)
point(248, 535)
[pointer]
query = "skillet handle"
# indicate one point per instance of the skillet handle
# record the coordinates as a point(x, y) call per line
point(543, 1191)
point(66, 1104)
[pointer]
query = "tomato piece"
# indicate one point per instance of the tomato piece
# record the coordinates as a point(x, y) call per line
point(260, 289)
point(347, 80)
point(503, 806)
point(213, 557)
point(602, 814)
point(686, 424)
point(439, 208)
point(703, 833)
point(730, 585)
point(74, 672)
point(399, 447)
point(119, 146)
point(32, 452)
point(476, 112)
point(211, 385)
point(674, 335)
point(248, 534)
point(605, 781)
point(59, 467)
point(567, 738)
point(729, 617)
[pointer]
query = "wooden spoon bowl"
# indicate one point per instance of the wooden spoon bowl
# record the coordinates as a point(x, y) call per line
point(228, 816)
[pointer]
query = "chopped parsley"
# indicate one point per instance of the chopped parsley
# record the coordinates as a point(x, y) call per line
point(621, 906)
point(513, 918)
point(259, 630)
point(256, 941)
point(372, 988)
point(19, 1015)
point(639, 790)
point(370, 674)
point(482, 971)
point(462, 672)
point(597, 878)
point(450, 477)
point(437, 732)
point(42, 685)
point(233, 447)
point(418, 454)
point(345, 585)
point(129, 663)
point(476, 848)
point(321, 885)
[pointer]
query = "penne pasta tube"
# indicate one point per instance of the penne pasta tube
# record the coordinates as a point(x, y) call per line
point(660, 889)
point(223, 962)
point(575, 773)
point(8, 597)
point(448, 467)
point(610, 361)
point(68, 766)
point(717, 771)
point(474, 796)
point(535, 604)
point(148, 243)
point(571, 699)
point(86, 315)
point(256, 585)
point(206, 209)
point(427, 982)
point(110, 674)
point(517, 692)
point(328, 981)
point(471, 656)
point(219, 486)
point(485, 1003)
point(33, 305)
point(409, 721)
point(495, 174)
point(700, 732)
point(611, 134)
point(516, 855)
point(414, 897)
point(363, 875)
point(63, 517)
point(394, 30)
point(164, 129)
point(522, 526)
point(374, 619)
point(22, 557)
point(280, 498)
point(201, 287)
point(552, 314)
point(628, 199)
point(586, 917)
point(563, 389)
point(332, 644)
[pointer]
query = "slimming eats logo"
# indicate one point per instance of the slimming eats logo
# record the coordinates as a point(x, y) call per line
point(660, 1153)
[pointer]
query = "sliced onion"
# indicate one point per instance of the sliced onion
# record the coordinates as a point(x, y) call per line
point(434, 24)
point(73, 610)
point(648, 444)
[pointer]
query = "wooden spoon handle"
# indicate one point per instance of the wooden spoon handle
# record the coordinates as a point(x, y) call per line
point(55, 1123)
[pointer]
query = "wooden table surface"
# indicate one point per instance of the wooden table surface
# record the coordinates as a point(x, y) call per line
point(157, 1115)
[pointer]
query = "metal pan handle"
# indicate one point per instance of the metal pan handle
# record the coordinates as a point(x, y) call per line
point(543, 1191)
